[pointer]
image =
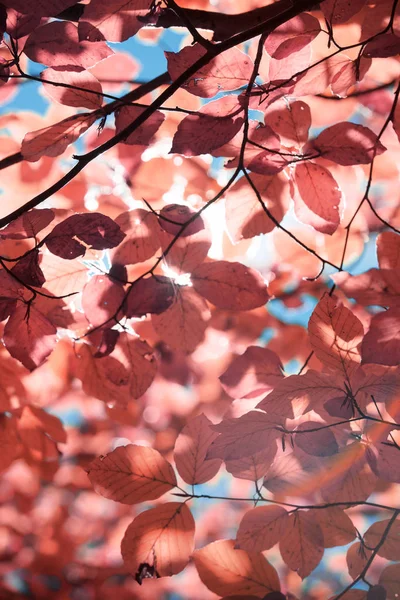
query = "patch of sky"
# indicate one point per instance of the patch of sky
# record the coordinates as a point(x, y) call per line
point(293, 316)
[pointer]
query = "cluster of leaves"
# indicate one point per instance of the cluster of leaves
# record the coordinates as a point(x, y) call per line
point(274, 92)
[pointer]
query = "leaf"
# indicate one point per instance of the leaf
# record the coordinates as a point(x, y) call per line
point(291, 121)
point(317, 197)
point(290, 473)
point(383, 460)
point(261, 528)
point(152, 295)
point(376, 592)
point(124, 374)
point(348, 144)
point(292, 36)
point(225, 570)
point(68, 238)
point(351, 72)
point(388, 250)
point(19, 25)
point(252, 373)
point(117, 20)
point(390, 548)
point(269, 163)
point(340, 11)
point(302, 545)
point(245, 217)
point(54, 140)
point(63, 276)
point(255, 430)
point(77, 77)
point(228, 71)
point(190, 451)
point(27, 225)
point(252, 467)
point(337, 527)
point(230, 285)
point(374, 287)
point(39, 431)
point(357, 557)
point(132, 474)
point(183, 324)
point(142, 237)
point(211, 127)
point(57, 44)
point(390, 580)
point(382, 46)
point(296, 395)
point(143, 135)
point(173, 216)
point(46, 8)
point(381, 344)
point(29, 336)
point(102, 298)
point(27, 270)
point(335, 334)
point(317, 443)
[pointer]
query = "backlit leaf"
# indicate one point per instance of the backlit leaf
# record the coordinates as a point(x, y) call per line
point(302, 545)
point(261, 528)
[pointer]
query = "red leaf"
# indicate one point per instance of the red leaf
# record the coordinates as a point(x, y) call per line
point(381, 344)
point(383, 460)
point(150, 296)
point(77, 77)
point(252, 467)
point(256, 371)
point(390, 579)
point(132, 474)
point(93, 229)
point(183, 324)
point(289, 474)
point(173, 216)
point(390, 548)
point(351, 72)
point(28, 225)
point(228, 71)
point(211, 127)
point(292, 36)
point(185, 253)
point(143, 135)
point(357, 557)
point(19, 25)
point(374, 287)
point(245, 217)
point(230, 285)
point(116, 19)
point(269, 163)
point(382, 46)
point(376, 592)
point(335, 335)
point(57, 44)
point(162, 537)
point(261, 528)
point(142, 239)
point(302, 545)
point(29, 336)
point(337, 527)
point(101, 300)
point(53, 140)
point(340, 11)
point(46, 8)
point(225, 570)
point(388, 250)
point(348, 144)
point(316, 443)
point(317, 197)
point(27, 270)
point(190, 451)
point(38, 431)
point(291, 121)
point(255, 430)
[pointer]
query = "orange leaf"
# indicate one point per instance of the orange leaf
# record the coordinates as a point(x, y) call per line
point(302, 546)
point(261, 528)
point(132, 474)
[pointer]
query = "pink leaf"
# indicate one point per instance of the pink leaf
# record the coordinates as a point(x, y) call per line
point(261, 528)
point(63, 276)
point(27, 270)
point(388, 250)
point(383, 460)
point(292, 36)
point(269, 163)
point(77, 77)
point(336, 525)
point(153, 295)
point(20, 24)
point(228, 71)
point(102, 298)
point(317, 197)
point(302, 545)
point(55, 139)
point(289, 474)
point(357, 557)
point(173, 216)
point(46, 8)
point(321, 442)
point(245, 217)
point(381, 344)
point(390, 548)
point(92, 229)
point(116, 19)
point(256, 371)
point(183, 324)
point(190, 451)
point(252, 467)
point(230, 285)
point(291, 121)
point(28, 225)
point(142, 240)
point(143, 135)
point(211, 127)
point(29, 336)
point(374, 287)
point(340, 11)
point(383, 46)
point(348, 144)
point(335, 335)
point(57, 44)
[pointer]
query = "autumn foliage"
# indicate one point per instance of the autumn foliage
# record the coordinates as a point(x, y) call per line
point(200, 300)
